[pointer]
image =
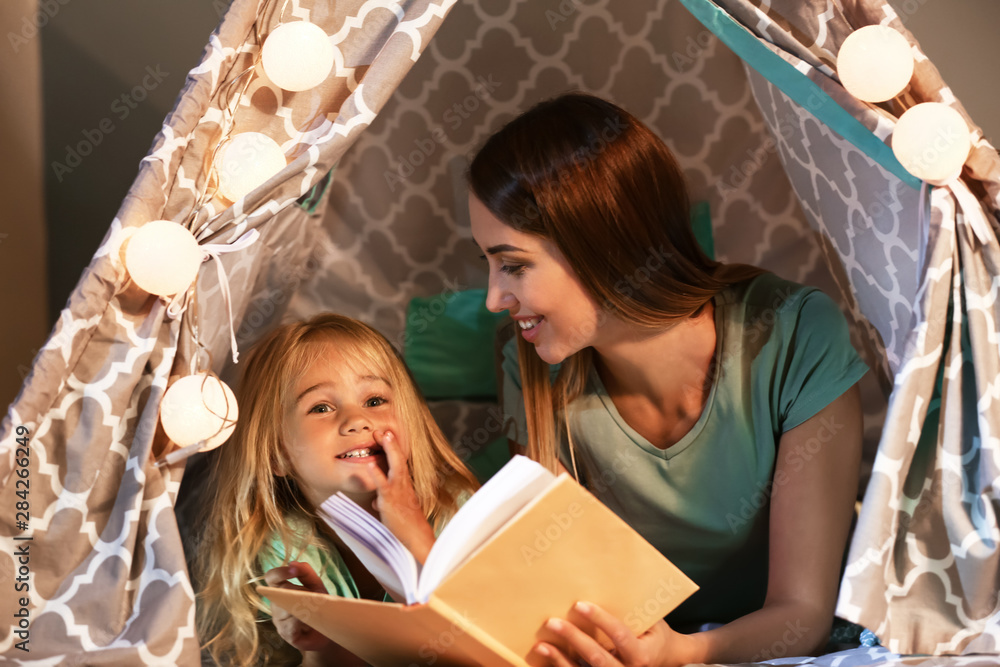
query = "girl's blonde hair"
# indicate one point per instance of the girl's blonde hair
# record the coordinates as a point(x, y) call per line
point(251, 505)
point(590, 177)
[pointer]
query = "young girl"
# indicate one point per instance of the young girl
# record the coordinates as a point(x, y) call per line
point(712, 406)
point(326, 405)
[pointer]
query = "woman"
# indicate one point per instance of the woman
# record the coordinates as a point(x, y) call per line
point(714, 407)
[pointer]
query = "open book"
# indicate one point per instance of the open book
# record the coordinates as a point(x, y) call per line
point(499, 499)
point(524, 548)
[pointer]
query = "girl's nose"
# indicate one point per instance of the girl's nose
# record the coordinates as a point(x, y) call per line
point(355, 422)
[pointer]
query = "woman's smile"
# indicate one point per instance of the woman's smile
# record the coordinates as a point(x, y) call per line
point(544, 296)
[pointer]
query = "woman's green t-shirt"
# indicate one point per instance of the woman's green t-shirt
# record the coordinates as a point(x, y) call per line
point(782, 354)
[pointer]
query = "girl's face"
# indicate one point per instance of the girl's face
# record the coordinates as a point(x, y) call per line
point(331, 415)
point(530, 277)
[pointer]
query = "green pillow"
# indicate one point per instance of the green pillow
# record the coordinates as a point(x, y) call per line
point(448, 345)
point(701, 223)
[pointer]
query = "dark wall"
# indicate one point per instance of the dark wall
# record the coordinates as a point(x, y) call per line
point(111, 71)
point(960, 38)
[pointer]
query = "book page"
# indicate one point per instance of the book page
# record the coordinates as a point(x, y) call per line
point(516, 484)
point(510, 489)
point(378, 549)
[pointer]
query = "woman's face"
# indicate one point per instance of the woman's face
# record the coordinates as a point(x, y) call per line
point(530, 277)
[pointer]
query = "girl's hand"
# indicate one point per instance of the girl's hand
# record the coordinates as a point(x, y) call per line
point(397, 503)
point(659, 646)
point(291, 629)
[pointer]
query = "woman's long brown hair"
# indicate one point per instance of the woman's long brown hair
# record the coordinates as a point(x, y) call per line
point(591, 178)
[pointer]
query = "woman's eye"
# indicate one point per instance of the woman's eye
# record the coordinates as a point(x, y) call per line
point(375, 401)
point(512, 269)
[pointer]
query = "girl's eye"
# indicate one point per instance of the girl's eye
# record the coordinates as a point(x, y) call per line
point(322, 408)
point(512, 269)
point(375, 401)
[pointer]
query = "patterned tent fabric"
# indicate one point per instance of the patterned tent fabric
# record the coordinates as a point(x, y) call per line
point(393, 225)
point(397, 225)
point(108, 580)
point(924, 564)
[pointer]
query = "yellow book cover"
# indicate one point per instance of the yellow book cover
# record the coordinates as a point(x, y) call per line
point(557, 546)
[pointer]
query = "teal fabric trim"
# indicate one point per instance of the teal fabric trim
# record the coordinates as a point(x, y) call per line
point(797, 86)
point(701, 223)
point(310, 200)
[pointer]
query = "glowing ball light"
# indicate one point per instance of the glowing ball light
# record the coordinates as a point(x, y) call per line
point(931, 141)
point(199, 407)
point(246, 162)
point(162, 257)
point(875, 63)
point(297, 56)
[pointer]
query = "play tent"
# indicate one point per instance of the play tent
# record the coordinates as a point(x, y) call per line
point(794, 174)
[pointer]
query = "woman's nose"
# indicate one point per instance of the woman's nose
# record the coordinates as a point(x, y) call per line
point(498, 299)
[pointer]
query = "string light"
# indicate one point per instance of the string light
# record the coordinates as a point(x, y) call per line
point(246, 162)
point(297, 56)
point(931, 141)
point(875, 63)
point(162, 257)
point(197, 408)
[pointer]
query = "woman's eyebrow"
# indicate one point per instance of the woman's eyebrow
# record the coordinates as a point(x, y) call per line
point(503, 247)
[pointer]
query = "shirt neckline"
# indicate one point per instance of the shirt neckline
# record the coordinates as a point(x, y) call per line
point(699, 425)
